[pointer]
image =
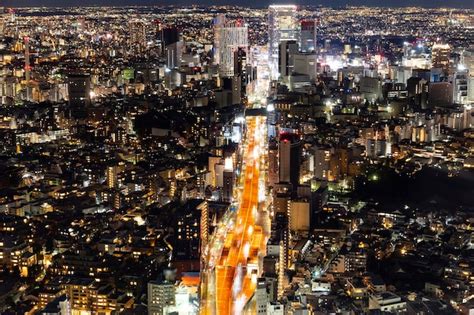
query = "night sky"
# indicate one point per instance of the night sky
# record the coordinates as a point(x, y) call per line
point(333, 3)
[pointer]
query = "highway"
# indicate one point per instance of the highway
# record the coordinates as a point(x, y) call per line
point(234, 256)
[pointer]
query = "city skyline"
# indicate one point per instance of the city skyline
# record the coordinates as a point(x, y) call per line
point(462, 4)
point(285, 159)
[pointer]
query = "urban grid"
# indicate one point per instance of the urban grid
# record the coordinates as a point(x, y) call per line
point(221, 159)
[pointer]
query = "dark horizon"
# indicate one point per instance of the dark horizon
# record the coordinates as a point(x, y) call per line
point(459, 4)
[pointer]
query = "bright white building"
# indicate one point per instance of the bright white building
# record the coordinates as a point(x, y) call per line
point(282, 26)
point(229, 36)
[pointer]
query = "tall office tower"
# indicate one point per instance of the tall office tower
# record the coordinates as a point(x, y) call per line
point(174, 53)
point(289, 159)
point(160, 295)
point(79, 89)
point(137, 36)
point(272, 164)
point(286, 52)
point(229, 36)
point(168, 36)
point(461, 86)
point(240, 67)
point(440, 94)
point(217, 23)
point(440, 54)
point(467, 61)
point(282, 26)
point(240, 61)
point(170, 46)
point(308, 36)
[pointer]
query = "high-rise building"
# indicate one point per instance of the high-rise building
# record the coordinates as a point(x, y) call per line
point(79, 89)
point(282, 265)
point(305, 63)
point(308, 36)
point(282, 26)
point(228, 180)
point(112, 180)
point(169, 47)
point(289, 159)
point(286, 52)
point(261, 296)
point(204, 225)
point(173, 53)
point(440, 94)
point(461, 86)
point(241, 67)
point(299, 216)
point(160, 295)
point(218, 23)
point(240, 61)
point(229, 36)
point(440, 54)
point(137, 35)
point(467, 61)
point(273, 164)
point(322, 158)
point(169, 35)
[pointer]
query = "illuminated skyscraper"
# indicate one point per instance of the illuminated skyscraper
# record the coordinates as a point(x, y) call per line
point(174, 54)
point(308, 36)
point(290, 159)
point(240, 67)
point(229, 36)
point(218, 23)
point(137, 35)
point(440, 56)
point(461, 86)
point(240, 61)
point(282, 26)
point(169, 35)
point(468, 64)
point(170, 46)
point(79, 89)
point(286, 52)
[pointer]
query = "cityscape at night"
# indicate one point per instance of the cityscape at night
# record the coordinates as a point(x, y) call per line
point(246, 159)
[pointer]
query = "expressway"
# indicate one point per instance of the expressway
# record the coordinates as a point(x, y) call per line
point(233, 258)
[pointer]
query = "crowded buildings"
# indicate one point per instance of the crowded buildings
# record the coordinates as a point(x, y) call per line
point(215, 160)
